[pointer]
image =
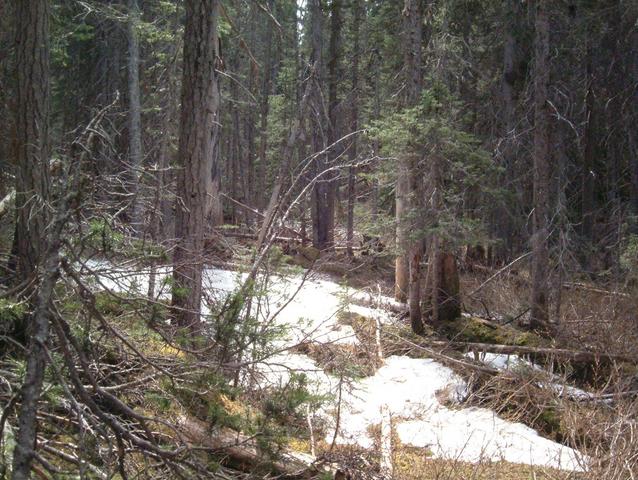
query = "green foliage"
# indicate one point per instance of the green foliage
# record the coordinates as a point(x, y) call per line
point(10, 313)
point(105, 238)
point(629, 256)
point(102, 236)
point(284, 403)
point(160, 401)
point(13, 320)
point(434, 131)
point(6, 449)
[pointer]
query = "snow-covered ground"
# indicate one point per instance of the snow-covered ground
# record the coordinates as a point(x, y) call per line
point(408, 390)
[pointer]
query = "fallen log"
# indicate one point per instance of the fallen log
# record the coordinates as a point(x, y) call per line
point(589, 288)
point(242, 453)
point(573, 355)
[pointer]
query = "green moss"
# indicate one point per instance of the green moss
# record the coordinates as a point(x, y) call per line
point(13, 316)
point(476, 330)
point(549, 422)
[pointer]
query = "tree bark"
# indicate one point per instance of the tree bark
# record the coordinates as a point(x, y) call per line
point(322, 211)
point(412, 20)
point(539, 318)
point(32, 203)
point(587, 180)
point(633, 137)
point(197, 143)
point(32, 148)
point(354, 125)
point(134, 115)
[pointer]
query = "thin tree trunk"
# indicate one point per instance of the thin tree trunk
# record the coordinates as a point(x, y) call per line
point(197, 144)
point(354, 124)
point(410, 183)
point(322, 211)
point(502, 224)
point(134, 115)
point(633, 136)
point(539, 318)
point(587, 185)
point(412, 59)
point(266, 90)
point(334, 110)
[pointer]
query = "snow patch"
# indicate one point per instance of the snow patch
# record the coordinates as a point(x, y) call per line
point(415, 392)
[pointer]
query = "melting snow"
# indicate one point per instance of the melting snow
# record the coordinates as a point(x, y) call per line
point(410, 389)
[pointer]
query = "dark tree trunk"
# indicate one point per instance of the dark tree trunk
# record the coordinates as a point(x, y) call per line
point(334, 114)
point(322, 193)
point(32, 203)
point(412, 28)
point(197, 156)
point(587, 185)
point(631, 131)
point(539, 317)
point(32, 134)
point(354, 124)
point(266, 90)
point(503, 227)
point(134, 116)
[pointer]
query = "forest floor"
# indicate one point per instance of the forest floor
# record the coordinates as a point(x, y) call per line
point(367, 368)
point(337, 373)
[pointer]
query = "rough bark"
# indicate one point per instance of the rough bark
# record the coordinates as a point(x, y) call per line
point(412, 30)
point(633, 136)
point(413, 20)
point(197, 142)
point(322, 207)
point(266, 90)
point(354, 125)
point(334, 114)
point(134, 115)
point(503, 224)
point(36, 363)
point(587, 176)
point(32, 147)
point(414, 304)
point(539, 318)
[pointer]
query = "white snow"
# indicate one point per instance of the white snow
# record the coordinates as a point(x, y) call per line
point(411, 390)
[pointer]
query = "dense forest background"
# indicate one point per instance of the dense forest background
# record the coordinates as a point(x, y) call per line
point(477, 156)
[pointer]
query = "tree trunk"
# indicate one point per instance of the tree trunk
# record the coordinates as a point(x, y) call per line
point(633, 137)
point(32, 202)
point(334, 114)
point(587, 185)
point(539, 318)
point(411, 184)
point(354, 125)
point(412, 20)
point(322, 211)
point(197, 143)
point(134, 116)
point(32, 134)
point(503, 227)
point(266, 90)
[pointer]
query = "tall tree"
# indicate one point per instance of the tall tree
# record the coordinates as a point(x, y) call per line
point(32, 134)
point(322, 201)
point(410, 183)
point(32, 203)
point(197, 142)
point(357, 15)
point(134, 113)
point(539, 316)
point(412, 60)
